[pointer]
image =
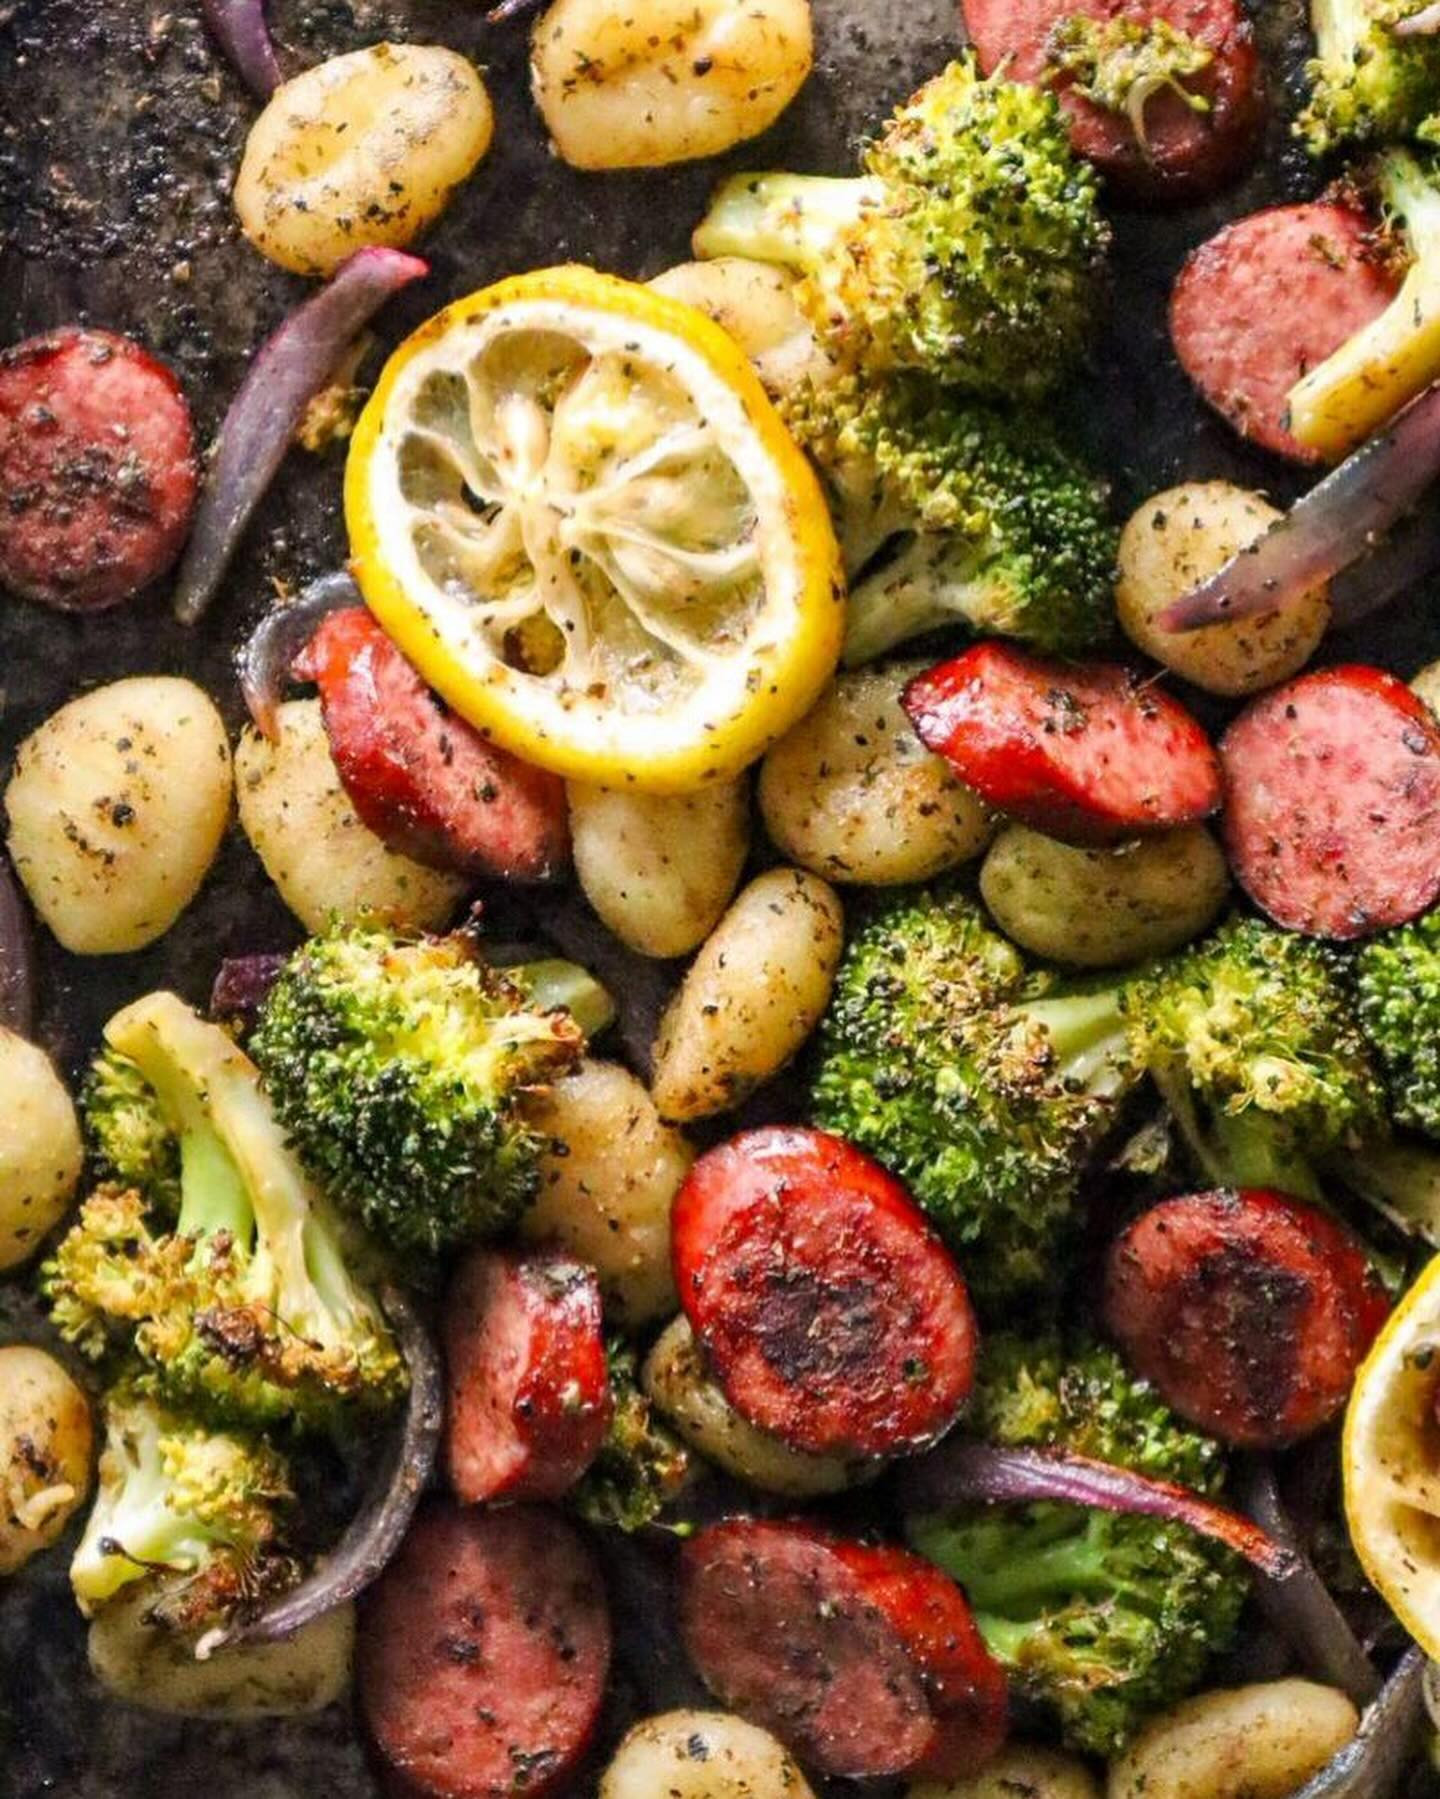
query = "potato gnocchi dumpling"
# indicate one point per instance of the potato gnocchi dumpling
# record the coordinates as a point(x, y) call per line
point(1172, 543)
point(852, 794)
point(660, 869)
point(755, 303)
point(661, 81)
point(1259, 1742)
point(701, 1755)
point(751, 997)
point(41, 1152)
point(325, 862)
point(117, 807)
point(46, 1443)
point(362, 149)
point(1019, 1771)
point(606, 1193)
point(1102, 908)
point(1427, 685)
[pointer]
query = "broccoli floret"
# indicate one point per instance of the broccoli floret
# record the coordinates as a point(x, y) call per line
point(130, 1142)
point(969, 249)
point(1253, 1041)
point(1369, 83)
point(981, 1086)
point(991, 524)
point(1398, 994)
point(176, 1497)
point(642, 1465)
point(1386, 363)
point(244, 1300)
point(1104, 1617)
point(1122, 64)
point(399, 1069)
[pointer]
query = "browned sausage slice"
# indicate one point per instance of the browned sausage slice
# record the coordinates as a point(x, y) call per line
point(483, 1653)
point(97, 469)
point(1264, 301)
point(1186, 152)
point(1332, 808)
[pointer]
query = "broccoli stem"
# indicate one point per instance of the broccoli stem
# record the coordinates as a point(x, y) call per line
point(922, 588)
point(1088, 1036)
point(787, 219)
point(1239, 1149)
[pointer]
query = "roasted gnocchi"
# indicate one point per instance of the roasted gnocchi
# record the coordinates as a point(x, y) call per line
point(46, 1441)
point(41, 1154)
point(701, 1755)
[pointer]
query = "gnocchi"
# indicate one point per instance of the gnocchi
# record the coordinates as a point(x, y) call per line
point(325, 862)
point(117, 806)
point(46, 1442)
point(1019, 1771)
point(41, 1153)
point(678, 1383)
point(147, 1665)
point(1260, 1742)
point(1102, 908)
point(755, 303)
point(662, 81)
point(659, 869)
point(751, 997)
point(852, 794)
point(701, 1755)
point(362, 149)
point(1427, 685)
point(606, 1193)
point(1173, 542)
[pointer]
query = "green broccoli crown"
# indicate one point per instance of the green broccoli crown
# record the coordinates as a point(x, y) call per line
point(130, 1142)
point(242, 1301)
point(1104, 1617)
point(642, 1465)
point(1398, 998)
point(1369, 85)
point(982, 1087)
point(970, 248)
point(399, 1069)
point(179, 1498)
point(1253, 1040)
point(1122, 64)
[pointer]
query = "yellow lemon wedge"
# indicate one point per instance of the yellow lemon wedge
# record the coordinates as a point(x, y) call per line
point(1391, 1461)
point(573, 507)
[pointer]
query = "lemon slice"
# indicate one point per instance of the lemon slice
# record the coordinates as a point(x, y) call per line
point(573, 507)
point(1391, 1458)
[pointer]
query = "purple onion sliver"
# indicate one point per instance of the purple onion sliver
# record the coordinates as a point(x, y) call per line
point(241, 32)
point(289, 369)
point(378, 1528)
point(1425, 23)
point(268, 654)
point(1335, 524)
point(970, 1473)
point(17, 956)
point(1409, 555)
point(1374, 1764)
point(243, 985)
point(1301, 1607)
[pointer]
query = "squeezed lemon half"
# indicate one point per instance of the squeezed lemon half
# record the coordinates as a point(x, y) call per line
point(573, 507)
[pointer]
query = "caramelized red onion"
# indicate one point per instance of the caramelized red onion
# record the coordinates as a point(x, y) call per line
point(17, 956)
point(965, 1473)
point(1376, 1762)
point(1335, 524)
point(268, 654)
point(1425, 23)
point(242, 33)
point(293, 364)
point(242, 986)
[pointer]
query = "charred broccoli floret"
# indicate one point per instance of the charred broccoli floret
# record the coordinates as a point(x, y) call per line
point(1103, 1617)
point(989, 524)
point(982, 1086)
point(243, 1298)
point(642, 1464)
point(130, 1142)
point(1371, 82)
point(1122, 64)
point(969, 249)
point(177, 1497)
point(1398, 988)
point(398, 1068)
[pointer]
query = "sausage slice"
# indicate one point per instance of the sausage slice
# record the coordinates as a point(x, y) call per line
point(863, 1660)
point(1249, 1311)
point(1087, 752)
point(98, 473)
point(831, 1314)
point(483, 1654)
point(422, 779)
point(1332, 810)
point(528, 1396)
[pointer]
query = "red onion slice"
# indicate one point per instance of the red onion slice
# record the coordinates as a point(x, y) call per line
point(268, 654)
point(1374, 1764)
point(1331, 527)
point(17, 956)
point(376, 1531)
point(241, 32)
point(242, 985)
point(1425, 23)
point(290, 368)
point(965, 1473)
